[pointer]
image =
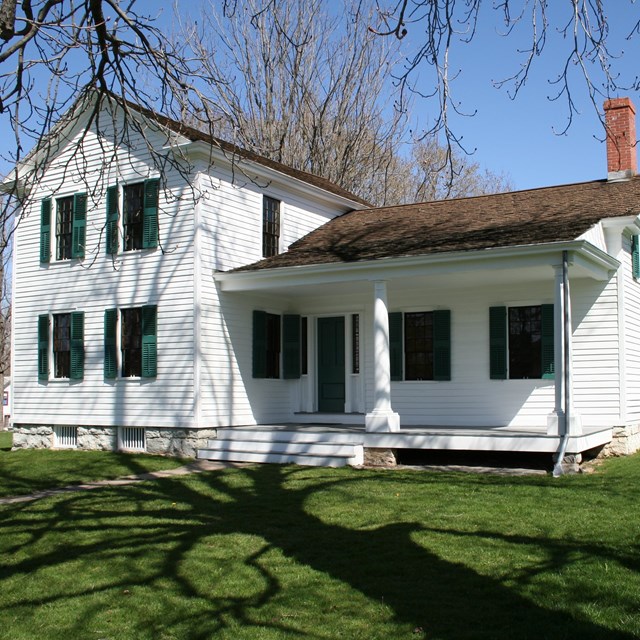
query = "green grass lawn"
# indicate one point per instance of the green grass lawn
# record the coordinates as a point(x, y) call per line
point(30, 470)
point(289, 552)
point(6, 438)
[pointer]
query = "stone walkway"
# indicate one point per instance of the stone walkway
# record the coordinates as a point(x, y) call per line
point(195, 467)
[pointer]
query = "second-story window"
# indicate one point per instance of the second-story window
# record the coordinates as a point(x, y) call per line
point(64, 227)
point(270, 226)
point(133, 197)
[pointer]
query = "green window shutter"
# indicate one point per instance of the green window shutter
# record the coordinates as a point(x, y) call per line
point(111, 228)
point(547, 342)
point(396, 348)
point(45, 230)
point(150, 214)
point(43, 347)
point(442, 344)
point(635, 257)
point(259, 344)
point(149, 341)
point(498, 343)
point(110, 343)
point(290, 346)
point(77, 345)
point(79, 231)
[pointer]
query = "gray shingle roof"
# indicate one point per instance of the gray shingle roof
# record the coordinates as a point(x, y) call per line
point(535, 216)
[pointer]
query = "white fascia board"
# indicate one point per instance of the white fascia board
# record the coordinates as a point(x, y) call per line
point(623, 223)
point(600, 264)
point(61, 133)
point(211, 153)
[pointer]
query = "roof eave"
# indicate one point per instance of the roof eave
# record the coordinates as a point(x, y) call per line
point(202, 149)
point(598, 263)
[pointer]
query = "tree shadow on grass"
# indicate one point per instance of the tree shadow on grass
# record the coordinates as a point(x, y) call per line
point(166, 521)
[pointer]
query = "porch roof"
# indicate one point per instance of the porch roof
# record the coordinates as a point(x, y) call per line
point(537, 216)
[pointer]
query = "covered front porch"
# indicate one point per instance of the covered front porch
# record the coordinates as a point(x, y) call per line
point(469, 403)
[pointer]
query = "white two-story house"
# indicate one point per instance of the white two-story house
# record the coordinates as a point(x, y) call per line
point(222, 305)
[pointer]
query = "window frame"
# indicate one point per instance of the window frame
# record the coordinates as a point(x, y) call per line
point(502, 343)
point(115, 361)
point(146, 234)
point(355, 343)
point(271, 226)
point(440, 355)
point(61, 357)
point(267, 345)
point(73, 369)
point(64, 240)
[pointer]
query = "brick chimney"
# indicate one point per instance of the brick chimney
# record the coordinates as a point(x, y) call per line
point(620, 123)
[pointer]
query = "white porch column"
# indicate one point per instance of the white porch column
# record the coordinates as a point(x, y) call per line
point(562, 339)
point(382, 418)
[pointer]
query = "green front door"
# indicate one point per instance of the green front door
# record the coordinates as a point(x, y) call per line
point(331, 381)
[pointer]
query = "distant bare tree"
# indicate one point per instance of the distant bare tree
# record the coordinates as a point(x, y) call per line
point(433, 175)
point(307, 87)
point(311, 88)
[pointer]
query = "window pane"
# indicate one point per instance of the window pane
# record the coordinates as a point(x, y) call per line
point(418, 346)
point(64, 227)
point(355, 342)
point(62, 345)
point(270, 226)
point(304, 338)
point(273, 346)
point(525, 340)
point(131, 342)
point(133, 205)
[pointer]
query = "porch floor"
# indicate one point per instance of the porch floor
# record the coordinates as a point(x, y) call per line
point(457, 438)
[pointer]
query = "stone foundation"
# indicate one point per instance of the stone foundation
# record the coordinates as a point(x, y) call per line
point(32, 437)
point(626, 440)
point(182, 443)
point(379, 457)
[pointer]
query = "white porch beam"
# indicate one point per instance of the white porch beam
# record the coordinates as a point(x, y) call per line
point(382, 418)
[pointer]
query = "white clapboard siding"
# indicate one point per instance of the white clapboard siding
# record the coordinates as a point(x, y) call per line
point(163, 276)
point(471, 398)
point(230, 235)
point(631, 338)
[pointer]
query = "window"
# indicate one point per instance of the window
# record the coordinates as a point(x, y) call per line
point(70, 227)
point(420, 345)
point(525, 342)
point(266, 345)
point(131, 342)
point(64, 227)
point(355, 343)
point(137, 339)
point(304, 342)
point(521, 342)
point(635, 257)
point(65, 344)
point(61, 345)
point(273, 346)
point(140, 216)
point(270, 226)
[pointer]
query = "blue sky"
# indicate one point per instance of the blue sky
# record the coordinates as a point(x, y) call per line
point(519, 136)
point(516, 137)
